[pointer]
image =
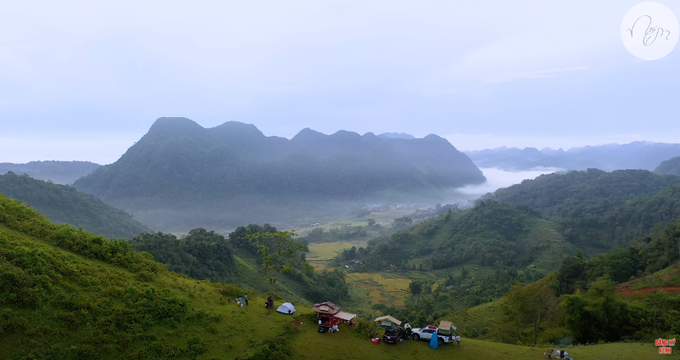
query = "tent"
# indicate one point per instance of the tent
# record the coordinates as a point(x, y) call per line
point(345, 316)
point(434, 341)
point(286, 308)
point(326, 307)
point(388, 322)
point(446, 328)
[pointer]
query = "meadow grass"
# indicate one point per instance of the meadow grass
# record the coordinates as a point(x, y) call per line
point(348, 344)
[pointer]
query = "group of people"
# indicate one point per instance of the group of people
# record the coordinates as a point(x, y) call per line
point(241, 299)
point(559, 354)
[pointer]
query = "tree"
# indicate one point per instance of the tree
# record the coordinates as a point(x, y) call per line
point(370, 222)
point(597, 314)
point(571, 275)
point(529, 306)
point(278, 252)
point(415, 287)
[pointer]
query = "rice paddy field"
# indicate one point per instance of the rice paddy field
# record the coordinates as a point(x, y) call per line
point(379, 289)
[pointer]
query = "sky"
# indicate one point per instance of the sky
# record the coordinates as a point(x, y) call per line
point(84, 80)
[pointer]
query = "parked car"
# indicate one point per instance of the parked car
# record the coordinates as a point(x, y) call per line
point(426, 332)
point(393, 335)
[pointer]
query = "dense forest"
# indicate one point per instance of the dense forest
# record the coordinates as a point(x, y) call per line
point(58, 172)
point(598, 210)
point(64, 204)
point(490, 234)
point(277, 258)
point(583, 301)
point(238, 175)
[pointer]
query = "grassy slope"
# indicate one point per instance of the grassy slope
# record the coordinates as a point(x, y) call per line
point(669, 276)
point(308, 344)
point(95, 283)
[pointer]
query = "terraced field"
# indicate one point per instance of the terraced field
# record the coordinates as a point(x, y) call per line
point(320, 254)
point(477, 320)
point(380, 289)
point(545, 232)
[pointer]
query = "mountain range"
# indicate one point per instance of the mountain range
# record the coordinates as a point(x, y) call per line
point(642, 155)
point(59, 172)
point(181, 176)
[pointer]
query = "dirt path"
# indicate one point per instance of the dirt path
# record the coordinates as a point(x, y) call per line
point(627, 291)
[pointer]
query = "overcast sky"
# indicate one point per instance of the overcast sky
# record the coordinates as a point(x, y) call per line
point(83, 80)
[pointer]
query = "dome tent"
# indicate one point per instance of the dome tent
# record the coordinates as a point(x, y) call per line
point(286, 308)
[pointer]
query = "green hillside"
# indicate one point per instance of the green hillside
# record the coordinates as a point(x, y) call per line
point(462, 258)
point(65, 205)
point(597, 210)
point(590, 300)
point(487, 235)
point(68, 294)
point(669, 167)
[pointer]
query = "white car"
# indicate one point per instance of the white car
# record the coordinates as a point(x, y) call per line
point(425, 333)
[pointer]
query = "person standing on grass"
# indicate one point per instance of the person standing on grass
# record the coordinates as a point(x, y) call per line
point(240, 301)
point(458, 339)
point(246, 298)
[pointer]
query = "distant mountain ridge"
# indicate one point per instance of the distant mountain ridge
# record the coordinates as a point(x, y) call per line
point(394, 135)
point(59, 172)
point(64, 204)
point(643, 155)
point(183, 176)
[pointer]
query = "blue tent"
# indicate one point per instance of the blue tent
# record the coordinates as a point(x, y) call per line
point(434, 342)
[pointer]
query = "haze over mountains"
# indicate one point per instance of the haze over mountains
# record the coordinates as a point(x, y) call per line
point(59, 172)
point(181, 176)
point(636, 155)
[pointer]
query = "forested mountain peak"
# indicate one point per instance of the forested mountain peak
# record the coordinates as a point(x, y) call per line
point(173, 126)
point(232, 173)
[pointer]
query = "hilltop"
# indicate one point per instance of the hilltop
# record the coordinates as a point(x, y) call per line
point(669, 167)
point(59, 172)
point(181, 176)
point(65, 205)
